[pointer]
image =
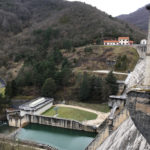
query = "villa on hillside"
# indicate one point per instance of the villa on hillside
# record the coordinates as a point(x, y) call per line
point(120, 41)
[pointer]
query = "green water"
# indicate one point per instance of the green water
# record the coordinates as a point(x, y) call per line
point(5, 129)
point(62, 139)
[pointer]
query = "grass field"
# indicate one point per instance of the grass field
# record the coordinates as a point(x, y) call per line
point(71, 113)
point(98, 107)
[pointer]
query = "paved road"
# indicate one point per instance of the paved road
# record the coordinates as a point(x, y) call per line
point(107, 71)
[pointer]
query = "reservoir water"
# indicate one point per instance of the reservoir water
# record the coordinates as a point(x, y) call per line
point(5, 129)
point(60, 138)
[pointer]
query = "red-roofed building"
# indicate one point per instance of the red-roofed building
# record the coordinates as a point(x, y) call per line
point(111, 42)
point(121, 41)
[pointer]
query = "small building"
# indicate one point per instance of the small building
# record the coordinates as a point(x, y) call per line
point(120, 41)
point(111, 42)
point(36, 106)
point(123, 40)
point(143, 42)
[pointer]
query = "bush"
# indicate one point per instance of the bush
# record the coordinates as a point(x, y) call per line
point(88, 49)
point(122, 63)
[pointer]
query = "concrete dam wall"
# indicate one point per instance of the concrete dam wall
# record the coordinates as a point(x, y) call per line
point(139, 108)
point(106, 129)
point(52, 121)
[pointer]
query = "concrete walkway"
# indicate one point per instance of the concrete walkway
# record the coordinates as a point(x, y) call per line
point(100, 115)
point(107, 71)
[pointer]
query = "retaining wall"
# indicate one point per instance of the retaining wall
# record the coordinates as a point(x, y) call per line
point(52, 121)
point(106, 129)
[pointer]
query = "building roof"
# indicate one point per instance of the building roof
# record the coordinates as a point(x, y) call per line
point(111, 41)
point(124, 38)
point(36, 104)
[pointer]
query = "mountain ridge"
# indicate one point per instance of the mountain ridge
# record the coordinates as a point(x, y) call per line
point(138, 18)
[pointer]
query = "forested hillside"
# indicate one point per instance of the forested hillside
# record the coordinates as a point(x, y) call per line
point(35, 34)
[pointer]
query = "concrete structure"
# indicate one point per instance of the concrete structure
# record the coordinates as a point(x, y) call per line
point(120, 41)
point(143, 42)
point(106, 129)
point(139, 96)
point(141, 49)
point(36, 106)
point(147, 68)
point(18, 121)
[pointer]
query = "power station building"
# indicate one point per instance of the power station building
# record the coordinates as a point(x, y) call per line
point(36, 106)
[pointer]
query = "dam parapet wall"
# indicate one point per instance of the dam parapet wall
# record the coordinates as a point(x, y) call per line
point(139, 107)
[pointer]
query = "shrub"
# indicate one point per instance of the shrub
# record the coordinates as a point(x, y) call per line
point(88, 49)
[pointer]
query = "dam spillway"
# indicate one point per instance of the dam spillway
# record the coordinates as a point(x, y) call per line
point(59, 138)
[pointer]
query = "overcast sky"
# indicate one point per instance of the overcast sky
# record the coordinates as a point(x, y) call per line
point(116, 7)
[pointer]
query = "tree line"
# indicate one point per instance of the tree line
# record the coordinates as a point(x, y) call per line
point(93, 88)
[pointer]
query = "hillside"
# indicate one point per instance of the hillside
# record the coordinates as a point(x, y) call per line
point(43, 42)
point(138, 18)
point(96, 57)
point(75, 24)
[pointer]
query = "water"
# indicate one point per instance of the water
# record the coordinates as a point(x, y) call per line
point(60, 138)
point(5, 129)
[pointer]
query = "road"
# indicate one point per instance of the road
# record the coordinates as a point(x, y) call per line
point(107, 71)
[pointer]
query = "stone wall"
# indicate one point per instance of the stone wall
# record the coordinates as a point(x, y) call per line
point(139, 108)
point(52, 121)
point(106, 128)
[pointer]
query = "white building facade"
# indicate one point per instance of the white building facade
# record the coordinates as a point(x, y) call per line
point(120, 41)
point(36, 106)
point(143, 42)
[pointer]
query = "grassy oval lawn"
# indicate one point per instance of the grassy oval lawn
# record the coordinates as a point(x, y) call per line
point(71, 113)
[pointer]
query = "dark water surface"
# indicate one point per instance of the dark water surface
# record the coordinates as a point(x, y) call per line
point(5, 129)
point(60, 138)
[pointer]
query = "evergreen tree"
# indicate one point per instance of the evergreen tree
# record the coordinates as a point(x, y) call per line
point(49, 88)
point(111, 81)
point(11, 89)
point(97, 88)
point(84, 92)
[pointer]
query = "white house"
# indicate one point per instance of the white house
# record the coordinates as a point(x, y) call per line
point(120, 41)
point(143, 42)
point(123, 40)
point(36, 106)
